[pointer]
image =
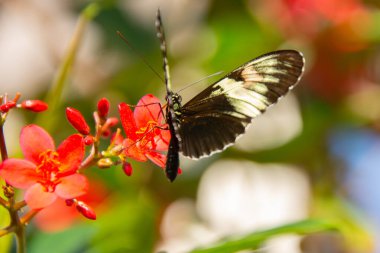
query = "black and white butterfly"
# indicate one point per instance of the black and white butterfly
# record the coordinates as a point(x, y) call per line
point(213, 120)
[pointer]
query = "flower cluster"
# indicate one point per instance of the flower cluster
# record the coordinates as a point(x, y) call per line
point(53, 178)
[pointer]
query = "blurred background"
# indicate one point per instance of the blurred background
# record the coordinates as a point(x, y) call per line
point(316, 154)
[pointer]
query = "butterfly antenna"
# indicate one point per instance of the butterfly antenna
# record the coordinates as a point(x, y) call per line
point(139, 55)
point(200, 80)
point(161, 37)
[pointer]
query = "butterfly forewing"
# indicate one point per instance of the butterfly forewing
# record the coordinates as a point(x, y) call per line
point(212, 120)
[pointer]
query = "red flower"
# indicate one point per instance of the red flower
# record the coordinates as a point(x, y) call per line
point(60, 216)
point(145, 129)
point(46, 173)
point(310, 17)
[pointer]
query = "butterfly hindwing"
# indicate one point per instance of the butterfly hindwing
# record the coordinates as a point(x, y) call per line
point(213, 119)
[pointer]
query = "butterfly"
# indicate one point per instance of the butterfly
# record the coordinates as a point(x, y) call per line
point(213, 120)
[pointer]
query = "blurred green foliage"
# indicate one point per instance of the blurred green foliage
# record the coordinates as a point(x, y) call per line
point(129, 221)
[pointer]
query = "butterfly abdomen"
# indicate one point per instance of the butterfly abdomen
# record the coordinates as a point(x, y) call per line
point(172, 158)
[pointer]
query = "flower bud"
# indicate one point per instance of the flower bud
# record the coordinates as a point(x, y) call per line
point(34, 105)
point(7, 106)
point(105, 163)
point(106, 133)
point(69, 202)
point(88, 140)
point(111, 122)
point(127, 168)
point(117, 139)
point(77, 120)
point(86, 210)
point(103, 107)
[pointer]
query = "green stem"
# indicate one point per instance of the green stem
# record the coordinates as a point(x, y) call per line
point(3, 202)
point(27, 217)
point(89, 160)
point(53, 98)
point(16, 225)
point(17, 206)
point(18, 228)
point(3, 147)
point(6, 231)
point(20, 239)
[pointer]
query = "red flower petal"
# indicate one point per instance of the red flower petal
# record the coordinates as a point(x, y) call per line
point(55, 217)
point(133, 151)
point(127, 120)
point(72, 186)
point(117, 139)
point(60, 216)
point(148, 109)
point(157, 158)
point(71, 153)
point(19, 173)
point(33, 141)
point(36, 197)
point(162, 139)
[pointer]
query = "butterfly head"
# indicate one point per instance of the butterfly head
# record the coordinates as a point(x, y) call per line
point(177, 99)
point(174, 100)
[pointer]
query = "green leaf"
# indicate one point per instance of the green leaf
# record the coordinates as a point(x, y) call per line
point(5, 241)
point(255, 239)
point(72, 240)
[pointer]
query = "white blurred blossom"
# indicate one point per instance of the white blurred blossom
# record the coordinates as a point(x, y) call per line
point(237, 197)
point(35, 38)
point(278, 125)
